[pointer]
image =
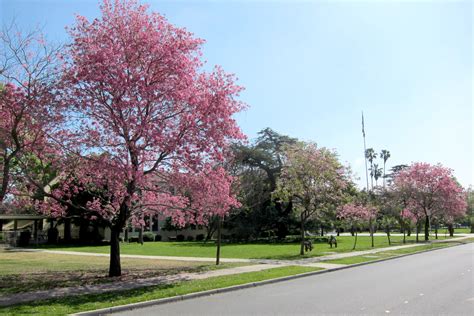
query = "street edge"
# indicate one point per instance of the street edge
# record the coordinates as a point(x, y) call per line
point(161, 301)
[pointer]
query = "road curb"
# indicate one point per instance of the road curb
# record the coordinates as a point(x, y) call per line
point(128, 307)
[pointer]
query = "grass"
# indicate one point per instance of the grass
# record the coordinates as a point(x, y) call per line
point(462, 231)
point(76, 304)
point(31, 271)
point(243, 250)
point(388, 254)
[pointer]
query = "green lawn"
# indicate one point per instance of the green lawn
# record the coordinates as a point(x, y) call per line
point(31, 271)
point(387, 254)
point(76, 304)
point(243, 250)
point(461, 231)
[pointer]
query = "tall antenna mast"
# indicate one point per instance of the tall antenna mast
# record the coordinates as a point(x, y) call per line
point(365, 157)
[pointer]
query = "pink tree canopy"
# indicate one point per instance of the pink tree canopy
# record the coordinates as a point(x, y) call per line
point(430, 191)
point(355, 214)
point(29, 111)
point(149, 130)
point(408, 216)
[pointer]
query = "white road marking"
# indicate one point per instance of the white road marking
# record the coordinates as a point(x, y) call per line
point(387, 312)
point(406, 302)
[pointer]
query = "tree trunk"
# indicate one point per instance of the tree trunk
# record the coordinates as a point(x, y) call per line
point(5, 178)
point(140, 235)
point(384, 174)
point(115, 268)
point(451, 230)
point(417, 231)
point(409, 231)
point(338, 231)
point(211, 229)
point(387, 231)
point(302, 235)
point(125, 238)
point(436, 231)
point(371, 227)
point(403, 232)
point(322, 231)
point(219, 229)
point(355, 241)
point(352, 231)
point(283, 214)
point(371, 177)
point(282, 230)
point(427, 228)
point(67, 230)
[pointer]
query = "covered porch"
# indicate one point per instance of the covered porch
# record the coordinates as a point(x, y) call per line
point(18, 229)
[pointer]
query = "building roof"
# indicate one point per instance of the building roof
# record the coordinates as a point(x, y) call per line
point(22, 216)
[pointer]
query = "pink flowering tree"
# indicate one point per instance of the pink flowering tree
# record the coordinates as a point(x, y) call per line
point(431, 191)
point(149, 129)
point(29, 112)
point(407, 219)
point(354, 215)
point(211, 199)
point(312, 179)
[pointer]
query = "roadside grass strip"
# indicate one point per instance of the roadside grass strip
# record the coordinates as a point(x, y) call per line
point(389, 254)
point(75, 304)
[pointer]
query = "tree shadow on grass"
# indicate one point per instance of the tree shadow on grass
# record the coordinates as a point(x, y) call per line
point(30, 282)
point(76, 303)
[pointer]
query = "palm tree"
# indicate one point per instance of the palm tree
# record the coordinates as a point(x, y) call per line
point(370, 154)
point(377, 172)
point(384, 154)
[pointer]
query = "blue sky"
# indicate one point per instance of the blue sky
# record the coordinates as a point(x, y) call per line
point(311, 67)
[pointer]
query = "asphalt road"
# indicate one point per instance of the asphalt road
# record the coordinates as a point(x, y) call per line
point(440, 282)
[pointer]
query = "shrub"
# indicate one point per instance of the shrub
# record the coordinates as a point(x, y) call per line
point(148, 236)
point(200, 237)
point(158, 238)
point(180, 237)
point(226, 237)
point(190, 238)
point(133, 239)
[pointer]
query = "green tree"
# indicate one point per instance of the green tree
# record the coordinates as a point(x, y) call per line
point(377, 173)
point(258, 167)
point(371, 155)
point(312, 179)
point(470, 207)
point(384, 154)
